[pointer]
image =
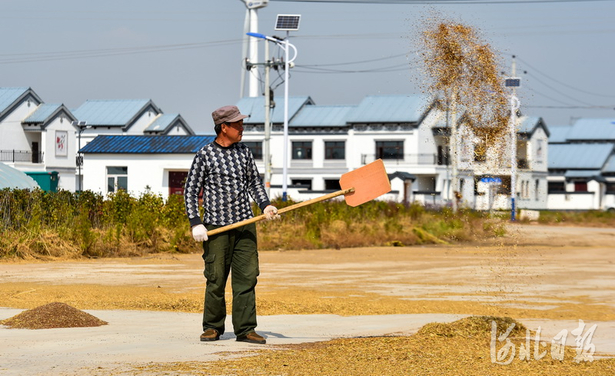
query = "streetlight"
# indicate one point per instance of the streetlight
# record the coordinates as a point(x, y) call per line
point(81, 125)
point(513, 82)
point(285, 45)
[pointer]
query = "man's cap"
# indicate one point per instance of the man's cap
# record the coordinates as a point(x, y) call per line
point(227, 114)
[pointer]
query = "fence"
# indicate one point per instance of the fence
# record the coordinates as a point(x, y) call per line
point(412, 159)
point(20, 156)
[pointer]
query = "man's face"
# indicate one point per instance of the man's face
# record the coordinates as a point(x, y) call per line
point(234, 131)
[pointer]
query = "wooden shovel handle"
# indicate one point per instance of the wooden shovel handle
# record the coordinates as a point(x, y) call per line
point(280, 211)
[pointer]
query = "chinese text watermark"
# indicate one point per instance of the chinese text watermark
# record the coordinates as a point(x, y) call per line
point(506, 353)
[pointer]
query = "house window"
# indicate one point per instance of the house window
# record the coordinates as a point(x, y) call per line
point(177, 181)
point(335, 150)
point(480, 152)
point(557, 186)
point(443, 155)
point(302, 149)
point(303, 183)
point(390, 150)
point(117, 178)
point(256, 148)
point(504, 187)
point(332, 185)
point(539, 149)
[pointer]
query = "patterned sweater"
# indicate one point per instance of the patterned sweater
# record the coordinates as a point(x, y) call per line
point(226, 175)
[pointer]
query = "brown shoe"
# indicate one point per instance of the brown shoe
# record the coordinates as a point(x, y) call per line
point(252, 337)
point(210, 335)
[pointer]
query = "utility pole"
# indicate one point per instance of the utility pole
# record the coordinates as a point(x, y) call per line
point(285, 22)
point(81, 125)
point(454, 139)
point(267, 153)
point(513, 82)
point(267, 65)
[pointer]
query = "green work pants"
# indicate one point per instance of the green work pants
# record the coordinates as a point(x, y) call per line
point(233, 252)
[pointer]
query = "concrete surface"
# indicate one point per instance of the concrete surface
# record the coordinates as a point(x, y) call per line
point(137, 337)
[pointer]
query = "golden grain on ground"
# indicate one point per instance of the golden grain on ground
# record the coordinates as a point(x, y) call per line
point(52, 315)
point(459, 348)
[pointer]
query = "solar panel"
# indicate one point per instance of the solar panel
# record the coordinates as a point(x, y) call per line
point(512, 82)
point(288, 22)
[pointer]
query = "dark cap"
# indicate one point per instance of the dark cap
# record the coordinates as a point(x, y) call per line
point(227, 114)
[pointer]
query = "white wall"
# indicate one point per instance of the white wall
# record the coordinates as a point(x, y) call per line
point(142, 122)
point(12, 136)
point(538, 153)
point(65, 165)
point(608, 202)
point(143, 170)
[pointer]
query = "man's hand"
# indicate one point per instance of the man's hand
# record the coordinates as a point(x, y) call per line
point(271, 212)
point(199, 233)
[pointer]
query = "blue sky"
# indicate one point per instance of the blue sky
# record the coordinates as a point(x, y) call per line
point(185, 55)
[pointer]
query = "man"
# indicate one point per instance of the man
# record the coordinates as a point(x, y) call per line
point(226, 173)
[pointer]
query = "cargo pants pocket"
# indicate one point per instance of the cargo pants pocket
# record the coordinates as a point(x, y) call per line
point(210, 267)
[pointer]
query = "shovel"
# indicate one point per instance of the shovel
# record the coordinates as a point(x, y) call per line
point(358, 187)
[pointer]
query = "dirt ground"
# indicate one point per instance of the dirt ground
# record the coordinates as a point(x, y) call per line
point(547, 276)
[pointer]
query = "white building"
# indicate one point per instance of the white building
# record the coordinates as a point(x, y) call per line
point(411, 135)
point(125, 117)
point(36, 137)
point(582, 166)
point(139, 163)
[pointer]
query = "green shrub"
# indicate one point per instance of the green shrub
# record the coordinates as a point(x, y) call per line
point(87, 224)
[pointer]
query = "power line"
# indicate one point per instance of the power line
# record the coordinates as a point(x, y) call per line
point(84, 54)
point(391, 68)
point(559, 92)
point(563, 83)
point(441, 2)
point(360, 61)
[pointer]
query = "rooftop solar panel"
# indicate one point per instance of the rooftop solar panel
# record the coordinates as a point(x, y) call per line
point(288, 22)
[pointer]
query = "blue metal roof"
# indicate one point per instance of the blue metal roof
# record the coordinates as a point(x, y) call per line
point(609, 167)
point(582, 173)
point(13, 178)
point(8, 96)
point(559, 134)
point(146, 144)
point(390, 109)
point(322, 116)
point(529, 124)
point(111, 112)
point(161, 123)
point(42, 113)
point(579, 156)
point(592, 129)
point(255, 108)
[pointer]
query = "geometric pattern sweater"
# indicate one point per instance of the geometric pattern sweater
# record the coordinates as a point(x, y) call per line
point(226, 175)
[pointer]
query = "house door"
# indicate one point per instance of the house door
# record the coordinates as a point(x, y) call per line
point(35, 151)
point(177, 179)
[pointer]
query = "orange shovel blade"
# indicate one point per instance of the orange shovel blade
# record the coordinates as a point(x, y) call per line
point(369, 182)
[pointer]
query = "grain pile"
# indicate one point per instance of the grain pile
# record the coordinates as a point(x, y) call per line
point(458, 348)
point(52, 315)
